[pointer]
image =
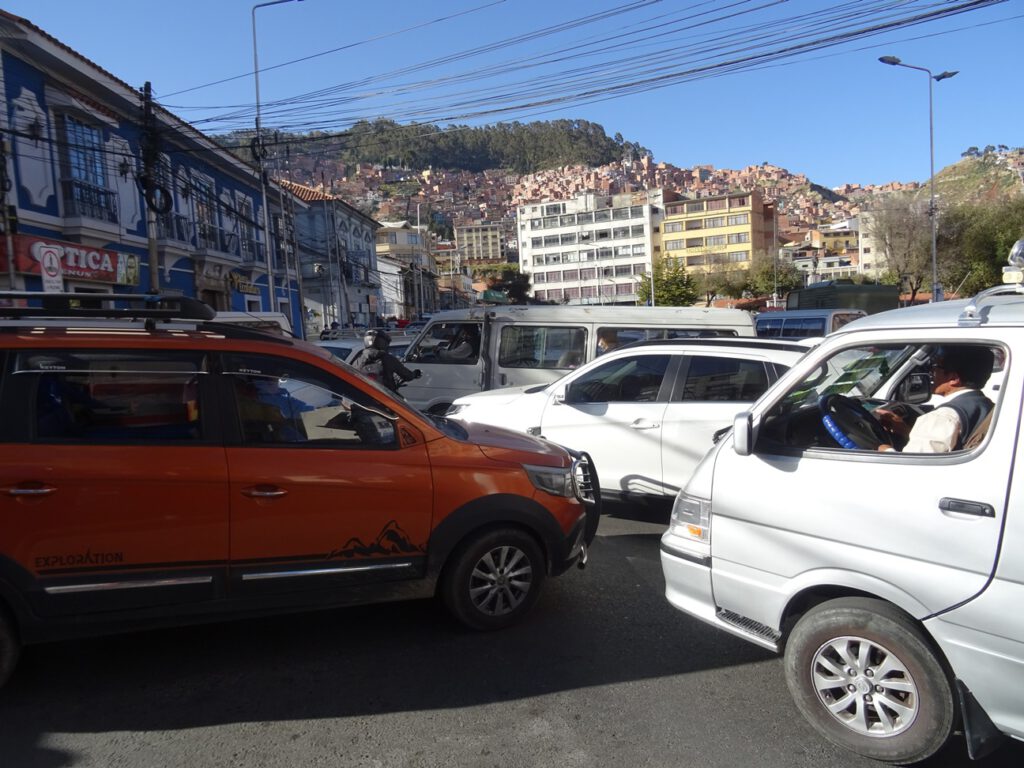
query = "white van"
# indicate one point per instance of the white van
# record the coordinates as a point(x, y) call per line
point(468, 350)
point(892, 580)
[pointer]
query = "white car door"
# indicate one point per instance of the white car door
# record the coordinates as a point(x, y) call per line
point(615, 412)
point(710, 390)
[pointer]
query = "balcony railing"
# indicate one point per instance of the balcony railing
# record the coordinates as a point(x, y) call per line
point(173, 226)
point(89, 201)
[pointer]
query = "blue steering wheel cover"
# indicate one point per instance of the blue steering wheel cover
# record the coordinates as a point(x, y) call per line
point(837, 433)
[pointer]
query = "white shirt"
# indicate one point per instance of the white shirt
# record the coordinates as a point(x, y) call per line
point(936, 431)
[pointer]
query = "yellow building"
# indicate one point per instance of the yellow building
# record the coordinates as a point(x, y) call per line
point(720, 233)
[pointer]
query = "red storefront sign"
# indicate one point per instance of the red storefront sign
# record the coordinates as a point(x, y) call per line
point(82, 262)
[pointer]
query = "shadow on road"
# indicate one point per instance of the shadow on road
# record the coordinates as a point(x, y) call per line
point(608, 624)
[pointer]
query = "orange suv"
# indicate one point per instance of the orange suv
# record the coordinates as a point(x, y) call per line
point(158, 468)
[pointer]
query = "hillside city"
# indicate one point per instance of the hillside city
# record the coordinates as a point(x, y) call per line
point(132, 198)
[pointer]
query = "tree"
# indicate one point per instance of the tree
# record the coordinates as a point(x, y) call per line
point(902, 230)
point(768, 276)
point(974, 241)
point(673, 286)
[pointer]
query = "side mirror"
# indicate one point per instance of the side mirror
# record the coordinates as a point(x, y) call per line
point(742, 433)
point(916, 389)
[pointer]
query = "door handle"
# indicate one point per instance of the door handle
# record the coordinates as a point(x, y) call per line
point(44, 490)
point(963, 507)
point(264, 492)
point(644, 424)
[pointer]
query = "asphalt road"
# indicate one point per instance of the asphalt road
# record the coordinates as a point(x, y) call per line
point(604, 673)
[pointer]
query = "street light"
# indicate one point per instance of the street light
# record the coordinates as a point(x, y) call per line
point(895, 62)
point(258, 153)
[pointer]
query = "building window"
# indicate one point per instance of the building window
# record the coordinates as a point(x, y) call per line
point(588, 274)
point(540, 277)
point(714, 222)
point(695, 207)
point(675, 245)
point(620, 232)
point(672, 226)
point(717, 205)
point(695, 261)
point(585, 218)
point(715, 240)
point(568, 238)
point(536, 242)
point(739, 218)
point(570, 276)
point(694, 242)
point(637, 230)
point(737, 202)
point(694, 224)
point(620, 213)
point(84, 184)
point(603, 215)
point(568, 220)
point(739, 237)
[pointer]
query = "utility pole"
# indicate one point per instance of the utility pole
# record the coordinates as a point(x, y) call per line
point(156, 197)
point(10, 214)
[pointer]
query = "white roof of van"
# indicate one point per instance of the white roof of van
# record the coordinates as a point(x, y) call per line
point(1006, 310)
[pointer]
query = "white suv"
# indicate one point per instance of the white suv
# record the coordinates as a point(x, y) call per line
point(646, 412)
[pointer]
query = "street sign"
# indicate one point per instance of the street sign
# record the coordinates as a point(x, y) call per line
point(51, 268)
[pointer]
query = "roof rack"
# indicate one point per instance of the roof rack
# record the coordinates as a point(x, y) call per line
point(140, 306)
point(1013, 283)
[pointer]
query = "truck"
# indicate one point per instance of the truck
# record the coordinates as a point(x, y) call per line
point(842, 294)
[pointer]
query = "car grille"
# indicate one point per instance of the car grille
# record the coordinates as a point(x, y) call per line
point(583, 477)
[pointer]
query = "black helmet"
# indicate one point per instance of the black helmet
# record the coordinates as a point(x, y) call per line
point(375, 338)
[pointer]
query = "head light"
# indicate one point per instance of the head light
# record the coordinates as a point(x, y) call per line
point(691, 518)
point(554, 480)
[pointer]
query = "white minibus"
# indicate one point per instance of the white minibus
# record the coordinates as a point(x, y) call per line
point(468, 350)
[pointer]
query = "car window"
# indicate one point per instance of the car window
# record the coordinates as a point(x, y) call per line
point(634, 379)
point(455, 343)
point(537, 346)
point(617, 337)
point(104, 396)
point(711, 377)
point(279, 402)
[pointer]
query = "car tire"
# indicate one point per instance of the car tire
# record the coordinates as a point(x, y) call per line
point(10, 648)
point(493, 580)
point(871, 656)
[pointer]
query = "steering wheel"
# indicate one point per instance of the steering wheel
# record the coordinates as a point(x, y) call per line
point(850, 424)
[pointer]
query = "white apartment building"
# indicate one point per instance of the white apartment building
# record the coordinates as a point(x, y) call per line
point(594, 249)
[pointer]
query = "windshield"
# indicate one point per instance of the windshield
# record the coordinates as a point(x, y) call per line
point(855, 372)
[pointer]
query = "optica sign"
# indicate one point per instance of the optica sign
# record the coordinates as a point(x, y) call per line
point(77, 261)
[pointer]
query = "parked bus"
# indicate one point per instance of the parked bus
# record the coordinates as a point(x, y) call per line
point(804, 323)
point(467, 350)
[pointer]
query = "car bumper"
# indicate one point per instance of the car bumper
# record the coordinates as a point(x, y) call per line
point(688, 587)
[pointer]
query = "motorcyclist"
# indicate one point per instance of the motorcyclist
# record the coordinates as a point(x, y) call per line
point(375, 361)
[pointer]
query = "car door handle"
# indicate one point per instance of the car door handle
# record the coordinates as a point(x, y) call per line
point(264, 492)
point(962, 507)
point(44, 490)
point(644, 424)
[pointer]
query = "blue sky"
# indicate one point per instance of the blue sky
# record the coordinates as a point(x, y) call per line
point(837, 114)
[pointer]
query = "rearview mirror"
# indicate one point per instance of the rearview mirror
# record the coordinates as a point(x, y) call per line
point(742, 433)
